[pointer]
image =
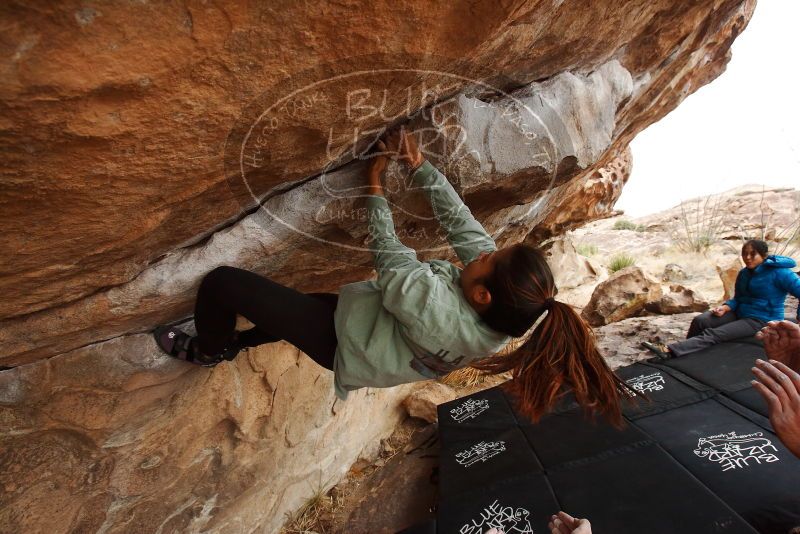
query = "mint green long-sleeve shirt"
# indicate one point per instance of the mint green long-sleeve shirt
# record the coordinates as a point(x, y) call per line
point(413, 322)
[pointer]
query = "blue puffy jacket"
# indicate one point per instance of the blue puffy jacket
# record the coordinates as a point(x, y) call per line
point(761, 293)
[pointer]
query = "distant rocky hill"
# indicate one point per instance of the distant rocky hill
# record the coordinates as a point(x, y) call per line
point(659, 239)
point(750, 211)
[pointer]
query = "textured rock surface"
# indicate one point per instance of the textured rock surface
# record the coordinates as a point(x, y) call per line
point(118, 194)
point(119, 438)
point(673, 273)
point(422, 402)
point(129, 150)
point(747, 212)
point(678, 299)
point(728, 273)
point(620, 342)
point(575, 275)
point(625, 294)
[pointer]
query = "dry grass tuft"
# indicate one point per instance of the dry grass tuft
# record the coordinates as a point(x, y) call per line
point(314, 517)
point(468, 377)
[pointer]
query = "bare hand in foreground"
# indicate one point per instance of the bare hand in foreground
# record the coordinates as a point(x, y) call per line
point(563, 523)
point(719, 311)
point(782, 342)
point(404, 147)
point(780, 387)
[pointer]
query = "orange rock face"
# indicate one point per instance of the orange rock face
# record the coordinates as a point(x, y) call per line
point(116, 117)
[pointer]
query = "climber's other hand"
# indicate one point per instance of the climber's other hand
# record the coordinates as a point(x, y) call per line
point(378, 161)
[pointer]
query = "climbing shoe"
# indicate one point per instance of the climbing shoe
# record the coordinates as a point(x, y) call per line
point(178, 344)
point(659, 349)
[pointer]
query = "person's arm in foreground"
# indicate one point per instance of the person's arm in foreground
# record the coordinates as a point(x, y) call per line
point(780, 387)
point(782, 342)
point(464, 233)
point(563, 523)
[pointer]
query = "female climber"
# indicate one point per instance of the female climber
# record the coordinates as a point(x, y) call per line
point(417, 320)
point(759, 297)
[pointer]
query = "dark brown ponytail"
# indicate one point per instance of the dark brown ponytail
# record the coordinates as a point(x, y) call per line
point(560, 354)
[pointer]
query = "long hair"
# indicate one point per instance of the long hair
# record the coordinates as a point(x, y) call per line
point(560, 353)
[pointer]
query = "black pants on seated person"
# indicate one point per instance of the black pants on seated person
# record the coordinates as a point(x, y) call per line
point(707, 329)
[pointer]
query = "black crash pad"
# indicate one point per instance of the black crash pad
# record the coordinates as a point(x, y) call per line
point(697, 457)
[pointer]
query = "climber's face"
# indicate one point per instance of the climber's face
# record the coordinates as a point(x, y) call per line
point(751, 257)
point(474, 275)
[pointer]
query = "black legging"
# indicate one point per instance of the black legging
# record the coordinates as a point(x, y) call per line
point(278, 312)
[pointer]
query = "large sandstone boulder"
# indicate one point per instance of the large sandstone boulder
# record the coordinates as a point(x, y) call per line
point(113, 216)
point(625, 294)
point(620, 342)
point(570, 269)
point(575, 275)
point(679, 299)
point(673, 273)
point(727, 273)
point(422, 401)
point(119, 438)
point(146, 143)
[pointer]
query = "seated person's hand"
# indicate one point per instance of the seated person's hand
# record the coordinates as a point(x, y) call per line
point(782, 342)
point(780, 387)
point(404, 147)
point(719, 311)
point(563, 523)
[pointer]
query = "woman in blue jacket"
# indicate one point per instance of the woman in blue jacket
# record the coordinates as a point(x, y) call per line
point(759, 297)
point(417, 320)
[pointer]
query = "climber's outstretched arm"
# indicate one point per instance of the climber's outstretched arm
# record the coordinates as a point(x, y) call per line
point(388, 251)
point(464, 233)
point(407, 285)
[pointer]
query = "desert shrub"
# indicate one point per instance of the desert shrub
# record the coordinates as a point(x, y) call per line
point(586, 249)
point(620, 261)
point(622, 224)
point(701, 222)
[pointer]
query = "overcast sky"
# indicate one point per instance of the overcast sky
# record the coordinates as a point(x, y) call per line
point(742, 128)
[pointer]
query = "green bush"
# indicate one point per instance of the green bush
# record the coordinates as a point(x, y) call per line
point(586, 249)
point(620, 261)
point(628, 225)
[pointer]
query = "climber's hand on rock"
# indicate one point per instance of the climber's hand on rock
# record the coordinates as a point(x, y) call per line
point(404, 147)
point(719, 311)
point(377, 165)
point(379, 158)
